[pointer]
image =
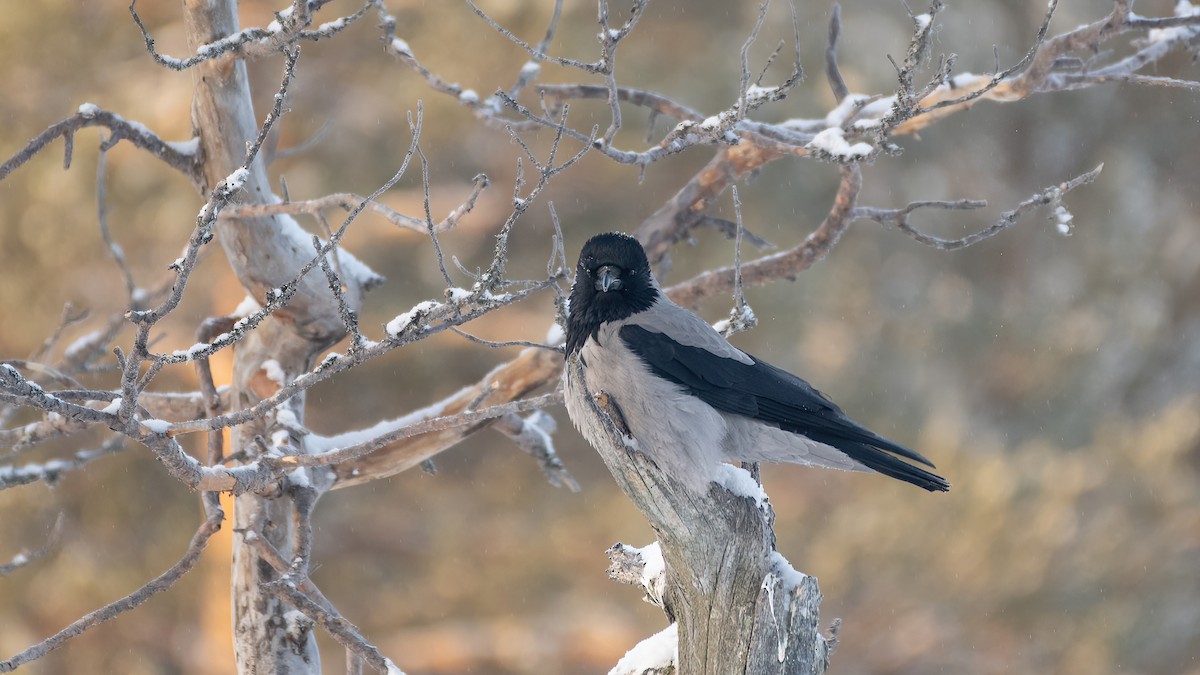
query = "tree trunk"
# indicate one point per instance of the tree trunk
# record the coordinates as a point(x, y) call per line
point(270, 637)
point(741, 608)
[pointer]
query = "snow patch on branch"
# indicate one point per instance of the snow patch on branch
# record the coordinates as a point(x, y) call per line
point(1160, 35)
point(247, 307)
point(315, 444)
point(832, 142)
point(355, 271)
point(659, 651)
point(235, 180)
point(739, 481)
point(401, 47)
point(398, 324)
point(156, 426)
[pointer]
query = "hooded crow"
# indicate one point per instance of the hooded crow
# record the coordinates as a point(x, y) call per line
point(689, 398)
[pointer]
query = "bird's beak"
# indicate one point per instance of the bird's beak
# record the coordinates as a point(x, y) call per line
point(608, 278)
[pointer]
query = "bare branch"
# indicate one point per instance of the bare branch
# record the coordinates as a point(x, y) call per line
point(102, 216)
point(341, 630)
point(555, 94)
point(532, 435)
point(597, 68)
point(419, 328)
point(212, 523)
point(785, 264)
point(253, 42)
point(27, 557)
point(832, 72)
point(898, 218)
point(179, 156)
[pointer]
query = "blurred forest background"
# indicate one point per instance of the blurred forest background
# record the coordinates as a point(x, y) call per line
point(1052, 379)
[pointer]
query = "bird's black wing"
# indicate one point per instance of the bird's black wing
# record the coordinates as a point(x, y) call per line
point(761, 391)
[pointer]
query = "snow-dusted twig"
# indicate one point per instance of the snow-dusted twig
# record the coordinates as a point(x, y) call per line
point(898, 218)
point(538, 55)
point(492, 279)
point(348, 201)
point(248, 43)
point(417, 328)
point(50, 472)
point(180, 156)
point(212, 523)
point(741, 316)
point(27, 557)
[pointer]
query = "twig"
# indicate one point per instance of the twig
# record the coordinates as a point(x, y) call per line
point(430, 228)
point(349, 316)
point(741, 317)
point(252, 42)
point(899, 217)
point(180, 156)
point(102, 216)
point(208, 330)
point(507, 343)
point(28, 557)
point(492, 279)
point(597, 68)
point(531, 69)
point(50, 472)
point(532, 435)
point(334, 364)
point(786, 264)
point(832, 72)
point(338, 627)
point(658, 103)
point(212, 523)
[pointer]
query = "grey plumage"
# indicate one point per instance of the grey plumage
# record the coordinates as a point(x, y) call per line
point(689, 398)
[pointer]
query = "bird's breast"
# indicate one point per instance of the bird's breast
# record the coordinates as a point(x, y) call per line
point(680, 432)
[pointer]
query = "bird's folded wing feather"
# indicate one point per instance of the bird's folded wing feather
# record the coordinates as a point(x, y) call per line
point(735, 382)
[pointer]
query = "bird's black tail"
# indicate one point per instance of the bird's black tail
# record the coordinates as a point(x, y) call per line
point(890, 465)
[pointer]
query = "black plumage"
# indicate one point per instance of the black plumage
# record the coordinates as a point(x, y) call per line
point(763, 392)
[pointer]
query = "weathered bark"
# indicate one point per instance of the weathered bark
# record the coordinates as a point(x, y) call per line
point(740, 607)
point(532, 369)
point(268, 637)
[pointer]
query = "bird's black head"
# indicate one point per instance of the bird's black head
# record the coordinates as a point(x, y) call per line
point(612, 282)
